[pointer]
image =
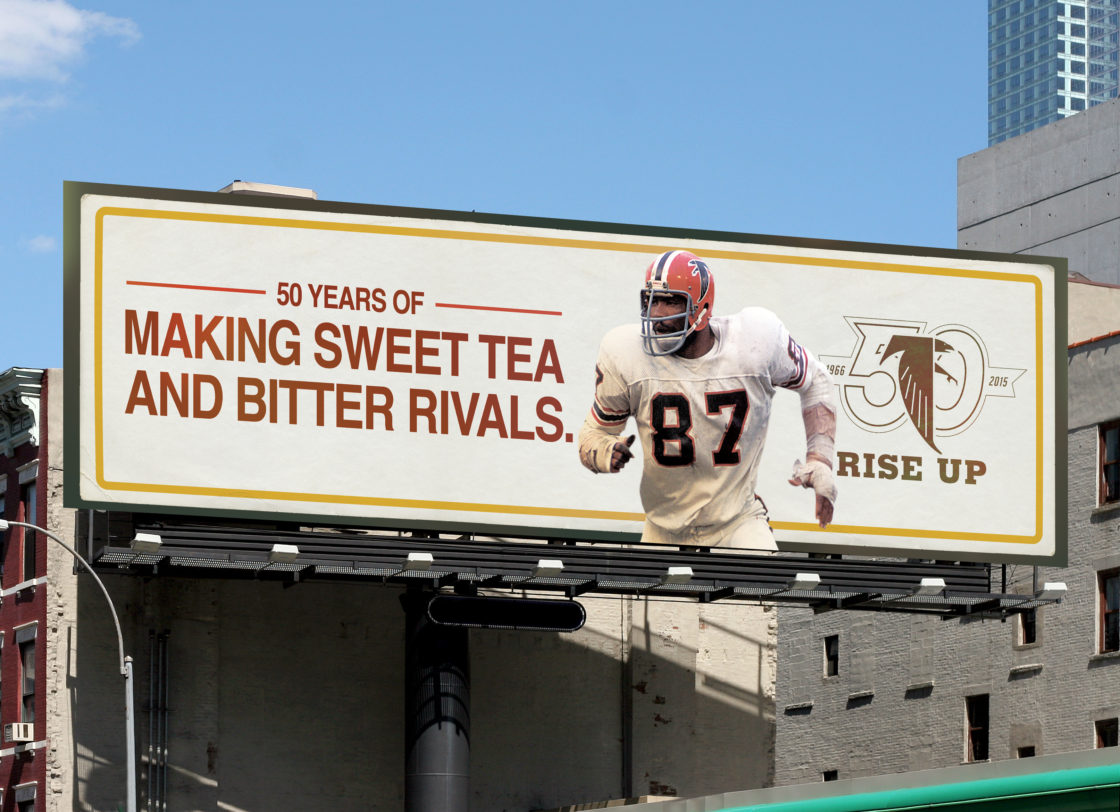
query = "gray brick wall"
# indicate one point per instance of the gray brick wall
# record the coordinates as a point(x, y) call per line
point(1047, 695)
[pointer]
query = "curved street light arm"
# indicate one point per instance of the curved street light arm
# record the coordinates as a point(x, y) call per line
point(89, 569)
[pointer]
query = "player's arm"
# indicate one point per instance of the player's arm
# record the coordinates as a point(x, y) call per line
point(601, 448)
point(796, 368)
point(818, 412)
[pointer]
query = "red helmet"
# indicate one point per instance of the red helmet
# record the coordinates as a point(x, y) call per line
point(676, 273)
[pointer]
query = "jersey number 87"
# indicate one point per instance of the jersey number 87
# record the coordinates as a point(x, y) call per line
point(673, 435)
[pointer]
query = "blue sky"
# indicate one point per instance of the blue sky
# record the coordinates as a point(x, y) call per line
point(810, 119)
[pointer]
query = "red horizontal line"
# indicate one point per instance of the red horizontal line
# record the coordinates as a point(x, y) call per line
point(195, 287)
point(502, 309)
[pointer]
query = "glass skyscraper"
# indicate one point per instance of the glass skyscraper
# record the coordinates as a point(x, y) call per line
point(1048, 59)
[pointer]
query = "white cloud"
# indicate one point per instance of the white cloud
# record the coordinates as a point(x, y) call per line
point(40, 244)
point(25, 104)
point(39, 38)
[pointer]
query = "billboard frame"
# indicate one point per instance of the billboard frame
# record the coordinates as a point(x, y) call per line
point(74, 191)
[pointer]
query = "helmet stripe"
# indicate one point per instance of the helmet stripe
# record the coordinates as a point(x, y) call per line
point(663, 264)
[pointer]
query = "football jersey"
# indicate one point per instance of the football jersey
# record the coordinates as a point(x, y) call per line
point(701, 421)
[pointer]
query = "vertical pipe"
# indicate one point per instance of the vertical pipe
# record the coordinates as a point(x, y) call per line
point(165, 680)
point(626, 677)
point(437, 711)
point(151, 715)
point(157, 709)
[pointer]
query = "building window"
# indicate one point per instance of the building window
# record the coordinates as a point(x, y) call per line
point(832, 655)
point(25, 798)
point(1028, 627)
point(1110, 462)
point(1107, 732)
point(830, 775)
point(1025, 752)
point(27, 496)
point(1109, 600)
point(27, 680)
point(976, 716)
point(25, 642)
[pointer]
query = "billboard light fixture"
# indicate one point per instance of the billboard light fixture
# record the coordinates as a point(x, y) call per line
point(418, 562)
point(548, 568)
point(283, 554)
point(805, 581)
point(1051, 591)
point(3, 525)
point(148, 543)
point(929, 587)
point(677, 575)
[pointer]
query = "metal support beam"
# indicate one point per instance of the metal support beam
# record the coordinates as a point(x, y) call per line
point(437, 711)
point(846, 602)
point(467, 564)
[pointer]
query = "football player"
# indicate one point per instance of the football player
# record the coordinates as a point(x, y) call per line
point(699, 388)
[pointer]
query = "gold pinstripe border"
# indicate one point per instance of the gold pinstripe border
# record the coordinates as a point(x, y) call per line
point(601, 245)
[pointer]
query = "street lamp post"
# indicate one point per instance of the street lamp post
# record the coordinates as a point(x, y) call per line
point(126, 662)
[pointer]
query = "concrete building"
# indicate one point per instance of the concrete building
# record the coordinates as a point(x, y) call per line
point(254, 694)
point(1048, 60)
point(861, 695)
point(1055, 192)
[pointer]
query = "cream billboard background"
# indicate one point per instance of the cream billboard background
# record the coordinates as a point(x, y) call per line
point(592, 279)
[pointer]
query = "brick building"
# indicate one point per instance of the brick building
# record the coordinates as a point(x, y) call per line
point(23, 593)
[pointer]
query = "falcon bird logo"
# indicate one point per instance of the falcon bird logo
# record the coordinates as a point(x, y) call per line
point(900, 372)
point(917, 366)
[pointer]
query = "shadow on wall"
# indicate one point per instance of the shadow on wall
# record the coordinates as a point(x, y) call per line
point(293, 697)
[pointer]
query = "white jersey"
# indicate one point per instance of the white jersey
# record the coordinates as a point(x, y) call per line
point(702, 421)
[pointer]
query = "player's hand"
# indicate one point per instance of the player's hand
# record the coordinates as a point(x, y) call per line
point(817, 475)
point(621, 454)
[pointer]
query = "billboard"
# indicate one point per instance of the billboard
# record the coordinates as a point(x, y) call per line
point(267, 357)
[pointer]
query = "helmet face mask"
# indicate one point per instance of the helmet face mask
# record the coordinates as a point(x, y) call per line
point(675, 274)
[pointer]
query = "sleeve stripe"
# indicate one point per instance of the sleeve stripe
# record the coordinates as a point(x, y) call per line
point(803, 368)
point(608, 418)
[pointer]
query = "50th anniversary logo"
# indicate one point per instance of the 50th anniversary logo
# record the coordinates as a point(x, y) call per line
point(902, 376)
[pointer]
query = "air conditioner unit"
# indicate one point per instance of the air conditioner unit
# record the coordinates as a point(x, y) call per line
point(19, 732)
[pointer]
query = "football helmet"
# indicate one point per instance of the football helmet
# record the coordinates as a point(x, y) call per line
point(676, 273)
